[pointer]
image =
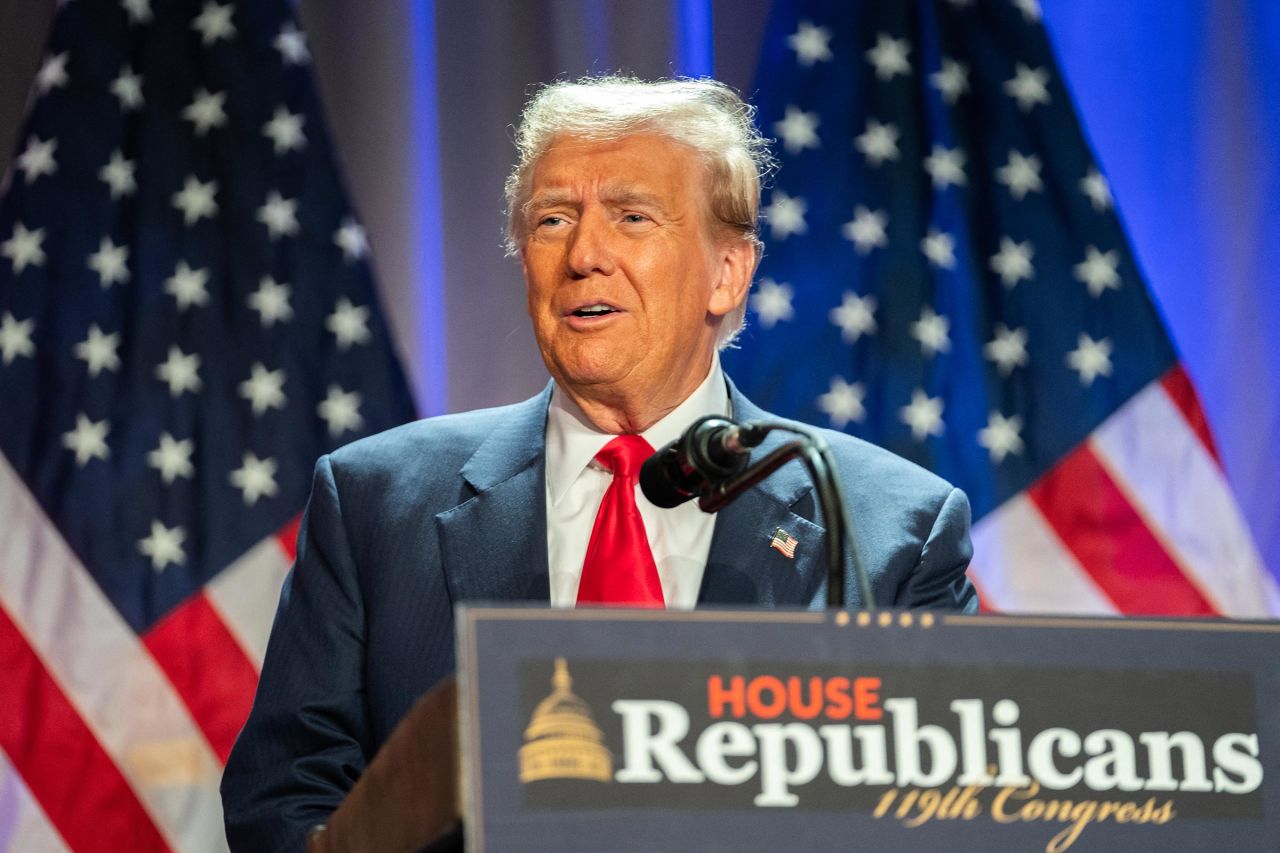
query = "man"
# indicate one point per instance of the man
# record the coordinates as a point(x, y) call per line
point(633, 210)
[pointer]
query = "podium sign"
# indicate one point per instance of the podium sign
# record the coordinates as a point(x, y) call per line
point(610, 730)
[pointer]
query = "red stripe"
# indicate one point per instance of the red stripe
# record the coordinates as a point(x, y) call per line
point(1096, 522)
point(208, 669)
point(1177, 384)
point(983, 601)
point(288, 537)
point(73, 779)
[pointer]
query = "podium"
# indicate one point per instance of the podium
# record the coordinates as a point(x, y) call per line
point(617, 730)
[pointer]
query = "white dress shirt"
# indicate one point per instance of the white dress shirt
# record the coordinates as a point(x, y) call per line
point(679, 538)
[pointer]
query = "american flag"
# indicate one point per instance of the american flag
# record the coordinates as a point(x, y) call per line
point(946, 276)
point(187, 320)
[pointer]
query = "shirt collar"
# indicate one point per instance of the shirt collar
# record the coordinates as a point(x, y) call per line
point(573, 441)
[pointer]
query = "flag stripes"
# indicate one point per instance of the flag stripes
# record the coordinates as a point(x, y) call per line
point(245, 594)
point(26, 825)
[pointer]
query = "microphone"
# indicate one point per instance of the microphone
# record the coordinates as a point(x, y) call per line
point(712, 450)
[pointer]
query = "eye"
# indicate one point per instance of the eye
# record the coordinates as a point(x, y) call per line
point(550, 221)
point(635, 218)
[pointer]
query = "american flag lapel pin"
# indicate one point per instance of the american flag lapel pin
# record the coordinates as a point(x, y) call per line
point(784, 542)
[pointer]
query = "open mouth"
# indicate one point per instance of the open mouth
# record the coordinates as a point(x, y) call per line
point(597, 310)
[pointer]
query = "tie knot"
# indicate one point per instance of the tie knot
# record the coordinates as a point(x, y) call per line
point(624, 455)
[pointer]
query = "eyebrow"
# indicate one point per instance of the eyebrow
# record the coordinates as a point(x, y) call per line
point(614, 195)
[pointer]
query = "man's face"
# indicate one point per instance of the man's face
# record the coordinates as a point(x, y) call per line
point(626, 282)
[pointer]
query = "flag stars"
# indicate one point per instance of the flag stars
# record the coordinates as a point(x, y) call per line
point(15, 338)
point(341, 411)
point(180, 371)
point(923, 415)
point(798, 129)
point(280, 215)
point(127, 87)
point(88, 441)
point(1013, 262)
point(1001, 436)
point(1090, 359)
point(940, 249)
point(206, 111)
point(163, 546)
point(118, 175)
point(1021, 175)
point(255, 478)
point(139, 11)
point(285, 131)
point(38, 159)
point(24, 248)
point(271, 301)
point(889, 57)
point(110, 262)
point(264, 389)
point(1028, 87)
point(352, 240)
point(292, 45)
point(785, 215)
point(98, 351)
point(1098, 271)
point(1008, 349)
point(951, 81)
point(214, 23)
point(196, 200)
point(188, 287)
point(52, 74)
point(843, 403)
point(811, 44)
point(1030, 10)
point(879, 142)
point(349, 324)
point(945, 166)
point(1096, 187)
point(172, 458)
point(855, 315)
point(933, 332)
point(772, 302)
point(866, 229)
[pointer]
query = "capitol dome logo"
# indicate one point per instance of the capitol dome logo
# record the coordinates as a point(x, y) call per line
point(562, 740)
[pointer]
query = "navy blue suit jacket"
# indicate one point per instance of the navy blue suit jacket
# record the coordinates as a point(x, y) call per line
point(403, 525)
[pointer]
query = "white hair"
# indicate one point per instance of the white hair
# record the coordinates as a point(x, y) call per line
point(703, 114)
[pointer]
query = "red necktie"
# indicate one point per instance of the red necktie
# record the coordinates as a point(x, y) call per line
point(619, 567)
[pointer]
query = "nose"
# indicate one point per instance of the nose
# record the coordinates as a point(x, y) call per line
point(591, 249)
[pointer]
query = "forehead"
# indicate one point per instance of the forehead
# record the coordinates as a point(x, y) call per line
point(646, 160)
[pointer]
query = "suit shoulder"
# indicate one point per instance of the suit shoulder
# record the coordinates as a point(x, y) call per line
point(875, 462)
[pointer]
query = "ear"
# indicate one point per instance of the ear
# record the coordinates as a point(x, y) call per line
point(737, 264)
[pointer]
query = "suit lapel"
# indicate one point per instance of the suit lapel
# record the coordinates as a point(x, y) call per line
point(494, 545)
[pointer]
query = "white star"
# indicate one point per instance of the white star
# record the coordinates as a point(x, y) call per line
point(866, 229)
point(798, 129)
point(163, 546)
point(923, 415)
point(139, 11)
point(1008, 349)
point(951, 81)
point(118, 175)
point(1001, 436)
point(940, 248)
point(271, 301)
point(52, 74)
point(88, 440)
point(1095, 186)
point(932, 331)
point(351, 239)
point(187, 286)
point(292, 45)
point(213, 23)
point(23, 247)
point(15, 338)
point(772, 302)
point(98, 351)
point(264, 389)
point(811, 44)
point(878, 143)
point(785, 215)
point(1030, 9)
point(889, 57)
point(128, 88)
point(855, 315)
point(285, 131)
point(38, 159)
point(1028, 87)
point(180, 372)
point(255, 478)
point(1098, 271)
point(195, 200)
point(110, 262)
point(280, 215)
point(349, 324)
point(341, 411)
point(1090, 359)
point(945, 166)
point(1021, 175)
point(206, 111)
point(1013, 262)
point(843, 403)
point(172, 458)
